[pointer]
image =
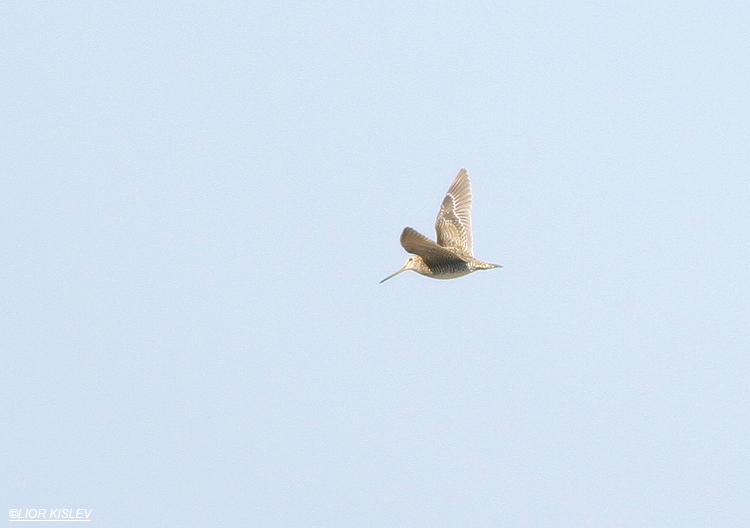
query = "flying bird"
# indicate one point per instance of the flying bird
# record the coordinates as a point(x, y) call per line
point(452, 256)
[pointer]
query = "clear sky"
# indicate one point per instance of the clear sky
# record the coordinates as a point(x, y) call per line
point(198, 200)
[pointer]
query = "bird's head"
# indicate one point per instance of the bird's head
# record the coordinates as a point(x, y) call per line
point(412, 263)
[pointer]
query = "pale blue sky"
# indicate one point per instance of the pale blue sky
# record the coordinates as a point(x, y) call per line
point(198, 202)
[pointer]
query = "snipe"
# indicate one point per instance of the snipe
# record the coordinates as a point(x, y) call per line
point(452, 256)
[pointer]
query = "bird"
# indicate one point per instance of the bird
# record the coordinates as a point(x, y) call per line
point(452, 256)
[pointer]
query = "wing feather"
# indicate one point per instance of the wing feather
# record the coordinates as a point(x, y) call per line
point(453, 224)
point(418, 244)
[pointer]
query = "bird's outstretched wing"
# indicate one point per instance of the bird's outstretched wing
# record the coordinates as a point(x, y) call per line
point(453, 224)
point(431, 253)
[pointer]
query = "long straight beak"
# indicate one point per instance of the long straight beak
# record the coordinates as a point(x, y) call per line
point(393, 275)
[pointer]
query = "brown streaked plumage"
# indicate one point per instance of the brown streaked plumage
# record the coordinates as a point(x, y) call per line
point(452, 256)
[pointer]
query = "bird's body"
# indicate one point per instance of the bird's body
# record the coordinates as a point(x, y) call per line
point(452, 255)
